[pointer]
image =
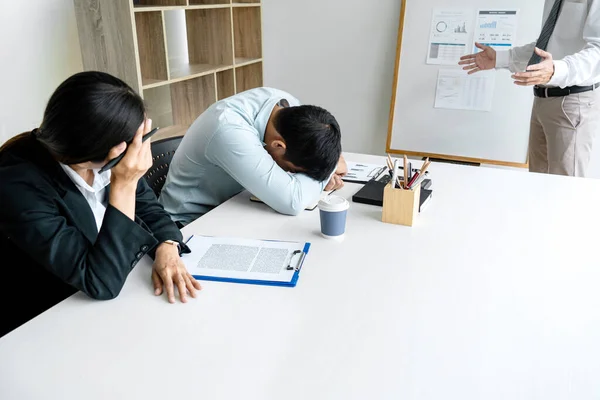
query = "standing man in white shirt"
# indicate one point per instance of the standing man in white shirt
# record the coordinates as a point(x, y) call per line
point(563, 65)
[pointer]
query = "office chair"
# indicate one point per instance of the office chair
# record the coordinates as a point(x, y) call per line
point(162, 154)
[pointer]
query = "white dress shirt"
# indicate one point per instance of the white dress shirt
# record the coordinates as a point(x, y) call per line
point(574, 45)
point(95, 195)
point(223, 153)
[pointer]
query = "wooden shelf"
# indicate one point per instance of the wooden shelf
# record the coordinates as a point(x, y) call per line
point(248, 77)
point(159, 106)
point(142, 9)
point(209, 36)
point(247, 32)
point(169, 132)
point(180, 103)
point(151, 47)
point(180, 55)
point(148, 3)
point(148, 83)
point(241, 61)
point(205, 2)
point(186, 71)
point(192, 97)
point(153, 8)
point(225, 84)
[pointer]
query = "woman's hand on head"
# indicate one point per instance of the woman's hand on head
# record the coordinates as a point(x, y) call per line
point(137, 160)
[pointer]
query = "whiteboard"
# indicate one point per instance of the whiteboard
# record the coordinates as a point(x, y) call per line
point(499, 136)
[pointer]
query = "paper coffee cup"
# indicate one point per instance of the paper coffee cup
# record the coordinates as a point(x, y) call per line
point(333, 211)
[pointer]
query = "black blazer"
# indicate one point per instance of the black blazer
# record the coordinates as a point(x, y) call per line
point(49, 234)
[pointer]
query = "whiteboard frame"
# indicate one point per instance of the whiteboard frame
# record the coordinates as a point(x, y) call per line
point(449, 157)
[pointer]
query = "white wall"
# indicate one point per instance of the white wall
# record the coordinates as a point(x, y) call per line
point(39, 49)
point(338, 54)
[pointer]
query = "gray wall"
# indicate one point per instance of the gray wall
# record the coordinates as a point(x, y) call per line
point(338, 54)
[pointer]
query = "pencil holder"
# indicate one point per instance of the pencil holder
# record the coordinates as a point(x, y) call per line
point(400, 207)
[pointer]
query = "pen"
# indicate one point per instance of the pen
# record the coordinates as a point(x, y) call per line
point(421, 174)
point(418, 181)
point(425, 166)
point(414, 178)
point(395, 175)
point(116, 160)
point(405, 169)
point(390, 166)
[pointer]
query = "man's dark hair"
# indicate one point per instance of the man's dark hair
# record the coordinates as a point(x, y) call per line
point(313, 139)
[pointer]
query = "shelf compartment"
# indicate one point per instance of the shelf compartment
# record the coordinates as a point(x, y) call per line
point(158, 105)
point(247, 32)
point(180, 67)
point(192, 97)
point(158, 3)
point(209, 38)
point(185, 71)
point(180, 103)
point(151, 47)
point(225, 84)
point(248, 77)
point(208, 2)
point(241, 61)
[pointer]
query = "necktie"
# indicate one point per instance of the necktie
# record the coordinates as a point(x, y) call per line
point(547, 31)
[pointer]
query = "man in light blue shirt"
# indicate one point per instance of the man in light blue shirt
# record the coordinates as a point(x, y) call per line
point(261, 140)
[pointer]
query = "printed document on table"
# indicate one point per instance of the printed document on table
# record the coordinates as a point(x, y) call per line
point(496, 28)
point(244, 259)
point(362, 172)
point(456, 90)
point(450, 36)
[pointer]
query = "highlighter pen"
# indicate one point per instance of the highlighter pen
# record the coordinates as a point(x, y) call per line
point(405, 169)
point(395, 174)
point(116, 160)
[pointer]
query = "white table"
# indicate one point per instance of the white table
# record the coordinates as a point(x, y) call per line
point(493, 294)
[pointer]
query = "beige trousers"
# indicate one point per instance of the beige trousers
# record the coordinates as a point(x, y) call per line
point(563, 131)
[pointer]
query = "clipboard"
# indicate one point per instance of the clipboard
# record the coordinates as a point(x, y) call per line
point(287, 276)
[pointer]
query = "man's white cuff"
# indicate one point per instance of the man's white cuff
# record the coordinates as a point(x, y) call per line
point(502, 59)
point(561, 71)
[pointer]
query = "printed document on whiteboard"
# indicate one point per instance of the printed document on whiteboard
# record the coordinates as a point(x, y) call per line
point(456, 90)
point(450, 37)
point(496, 28)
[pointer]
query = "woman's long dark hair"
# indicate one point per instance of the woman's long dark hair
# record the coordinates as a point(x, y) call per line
point(87, 115)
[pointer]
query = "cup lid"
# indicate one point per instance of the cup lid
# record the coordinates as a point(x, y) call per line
point(334, 203)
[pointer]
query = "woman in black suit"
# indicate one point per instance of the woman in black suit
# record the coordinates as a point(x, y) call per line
point(66, 226)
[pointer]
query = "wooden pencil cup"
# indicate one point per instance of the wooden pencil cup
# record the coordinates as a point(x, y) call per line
point(400, 207)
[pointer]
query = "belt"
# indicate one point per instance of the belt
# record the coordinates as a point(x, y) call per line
point(545, 92)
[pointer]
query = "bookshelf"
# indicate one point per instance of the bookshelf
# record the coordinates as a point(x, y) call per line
point(180, 55)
